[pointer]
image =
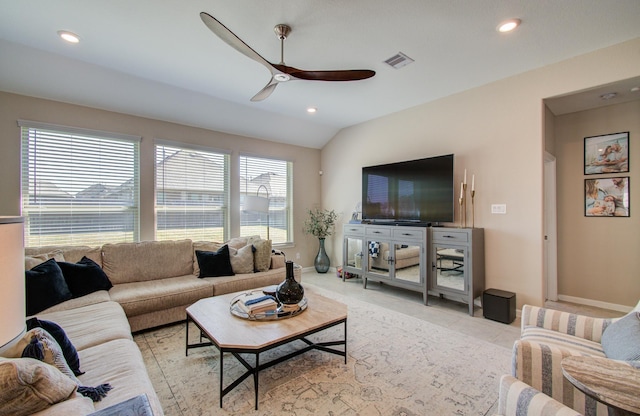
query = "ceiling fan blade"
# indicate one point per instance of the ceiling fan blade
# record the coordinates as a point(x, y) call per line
point(266, 91)
point(232, 40)
point(339, 75)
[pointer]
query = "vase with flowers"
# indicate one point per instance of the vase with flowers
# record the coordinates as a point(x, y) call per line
point(321, 223)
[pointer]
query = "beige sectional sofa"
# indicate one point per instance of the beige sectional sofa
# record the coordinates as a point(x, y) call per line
point(153, 282)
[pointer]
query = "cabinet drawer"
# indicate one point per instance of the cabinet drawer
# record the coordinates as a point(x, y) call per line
point(412, 234)
point(352, 229)
point(450, 236)
point(378, 232)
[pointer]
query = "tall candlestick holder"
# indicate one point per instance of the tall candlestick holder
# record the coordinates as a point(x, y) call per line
point(473, 209)
point(464, 202)
point(461, 200)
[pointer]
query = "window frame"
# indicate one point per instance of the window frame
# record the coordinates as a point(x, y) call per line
point(287, 200)
point(75, 212)
point(225, 208)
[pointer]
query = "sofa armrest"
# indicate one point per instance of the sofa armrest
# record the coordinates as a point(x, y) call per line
point(519, 399)
point(567, 323)
point(538, 364)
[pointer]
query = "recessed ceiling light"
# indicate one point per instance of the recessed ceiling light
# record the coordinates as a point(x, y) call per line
point(609, 95)
point(508, 25)
point(635, 89)
point(69, 36)
point(312, 110)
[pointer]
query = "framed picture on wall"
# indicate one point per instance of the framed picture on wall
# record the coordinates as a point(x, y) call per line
point(607, 197)
point(606, 154)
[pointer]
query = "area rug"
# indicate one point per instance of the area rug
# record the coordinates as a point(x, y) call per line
point(396, 365)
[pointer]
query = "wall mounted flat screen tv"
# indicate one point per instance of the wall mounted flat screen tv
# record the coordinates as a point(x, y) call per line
point(415, 191)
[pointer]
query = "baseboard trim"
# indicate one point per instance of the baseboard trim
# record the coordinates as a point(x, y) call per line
point(595, 303)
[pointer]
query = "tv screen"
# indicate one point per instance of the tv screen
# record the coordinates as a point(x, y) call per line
point(414, 191)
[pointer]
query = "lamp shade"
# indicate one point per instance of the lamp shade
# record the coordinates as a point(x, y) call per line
point(256, 203)
point(12, 289)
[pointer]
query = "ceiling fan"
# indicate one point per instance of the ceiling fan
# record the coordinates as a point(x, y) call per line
point(279, 72)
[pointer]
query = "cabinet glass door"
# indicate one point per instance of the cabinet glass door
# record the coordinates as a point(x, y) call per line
point(353, 248)
point(407, 262)
point(380, 257)
point(449, 267)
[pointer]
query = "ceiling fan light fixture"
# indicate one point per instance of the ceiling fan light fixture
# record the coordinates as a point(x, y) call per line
point(281, 77)
point(508, 25)
point(312, 110)
point(69, 36)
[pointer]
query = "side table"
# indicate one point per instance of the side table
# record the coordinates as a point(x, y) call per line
point(614, 383)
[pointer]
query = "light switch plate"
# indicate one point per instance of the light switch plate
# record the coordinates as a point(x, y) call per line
point(498, 208)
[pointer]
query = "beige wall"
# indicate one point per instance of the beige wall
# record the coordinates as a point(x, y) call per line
point(496, 131)
point(306, 182)
point(597, 257)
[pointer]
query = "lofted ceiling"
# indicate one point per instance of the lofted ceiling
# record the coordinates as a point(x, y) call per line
point(157, 59)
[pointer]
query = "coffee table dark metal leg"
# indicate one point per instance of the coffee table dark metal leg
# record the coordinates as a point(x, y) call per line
point(221, 376)
point(255, 377)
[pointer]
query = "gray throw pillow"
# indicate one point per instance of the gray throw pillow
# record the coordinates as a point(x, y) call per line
point(621, 339)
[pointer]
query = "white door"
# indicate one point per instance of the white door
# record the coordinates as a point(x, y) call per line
point(550, 228)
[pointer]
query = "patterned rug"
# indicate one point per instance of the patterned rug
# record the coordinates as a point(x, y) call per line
point(396, 365)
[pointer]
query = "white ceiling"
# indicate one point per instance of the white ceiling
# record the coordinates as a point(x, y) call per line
point(155, 58)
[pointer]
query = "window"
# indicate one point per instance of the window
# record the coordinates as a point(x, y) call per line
point(78, 186)
point(192, 193)
point(266, 178)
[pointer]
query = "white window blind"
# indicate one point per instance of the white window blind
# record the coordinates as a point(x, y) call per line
point(266, 178)
point(192, 193)
point(78, 186)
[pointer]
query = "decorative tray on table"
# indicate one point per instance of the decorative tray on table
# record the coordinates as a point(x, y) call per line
point(280, 311)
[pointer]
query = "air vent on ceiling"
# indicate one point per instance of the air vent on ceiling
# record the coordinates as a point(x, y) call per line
point(398, 60)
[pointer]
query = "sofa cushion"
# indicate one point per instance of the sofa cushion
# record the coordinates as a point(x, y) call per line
point(237, 242)
point(262, 255)
point(213, 264)
point(144, 297)
point(147, 260)
point(45, 286)
point(52, 354)
point(68, 350)
point(71, 254)
point(31, 261)
point(28, 386)
point(239, 282)
point(80, 324)
point(203, 246)
point(125, 372)
point(621, 339)
point(242, 259)
point(73, 303)
point(84, 277)
point(544, 336)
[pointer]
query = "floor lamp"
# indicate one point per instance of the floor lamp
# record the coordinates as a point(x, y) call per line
point(12, 292)
point(257, 203)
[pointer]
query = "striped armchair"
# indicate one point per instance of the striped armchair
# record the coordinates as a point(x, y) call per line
point(520, 399)
point(547, 337)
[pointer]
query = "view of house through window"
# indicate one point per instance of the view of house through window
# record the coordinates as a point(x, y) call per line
point(78, 186)
point(265, 198)
point(192, 193)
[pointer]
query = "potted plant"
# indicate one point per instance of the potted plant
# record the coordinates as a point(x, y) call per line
point(320, 224)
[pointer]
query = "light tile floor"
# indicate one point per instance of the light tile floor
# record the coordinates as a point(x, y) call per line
point(446, 313)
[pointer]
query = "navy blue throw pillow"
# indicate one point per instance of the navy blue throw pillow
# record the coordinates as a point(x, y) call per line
point(213, 264)
point(45, 286)
point(68, 350)
point(84, 277)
